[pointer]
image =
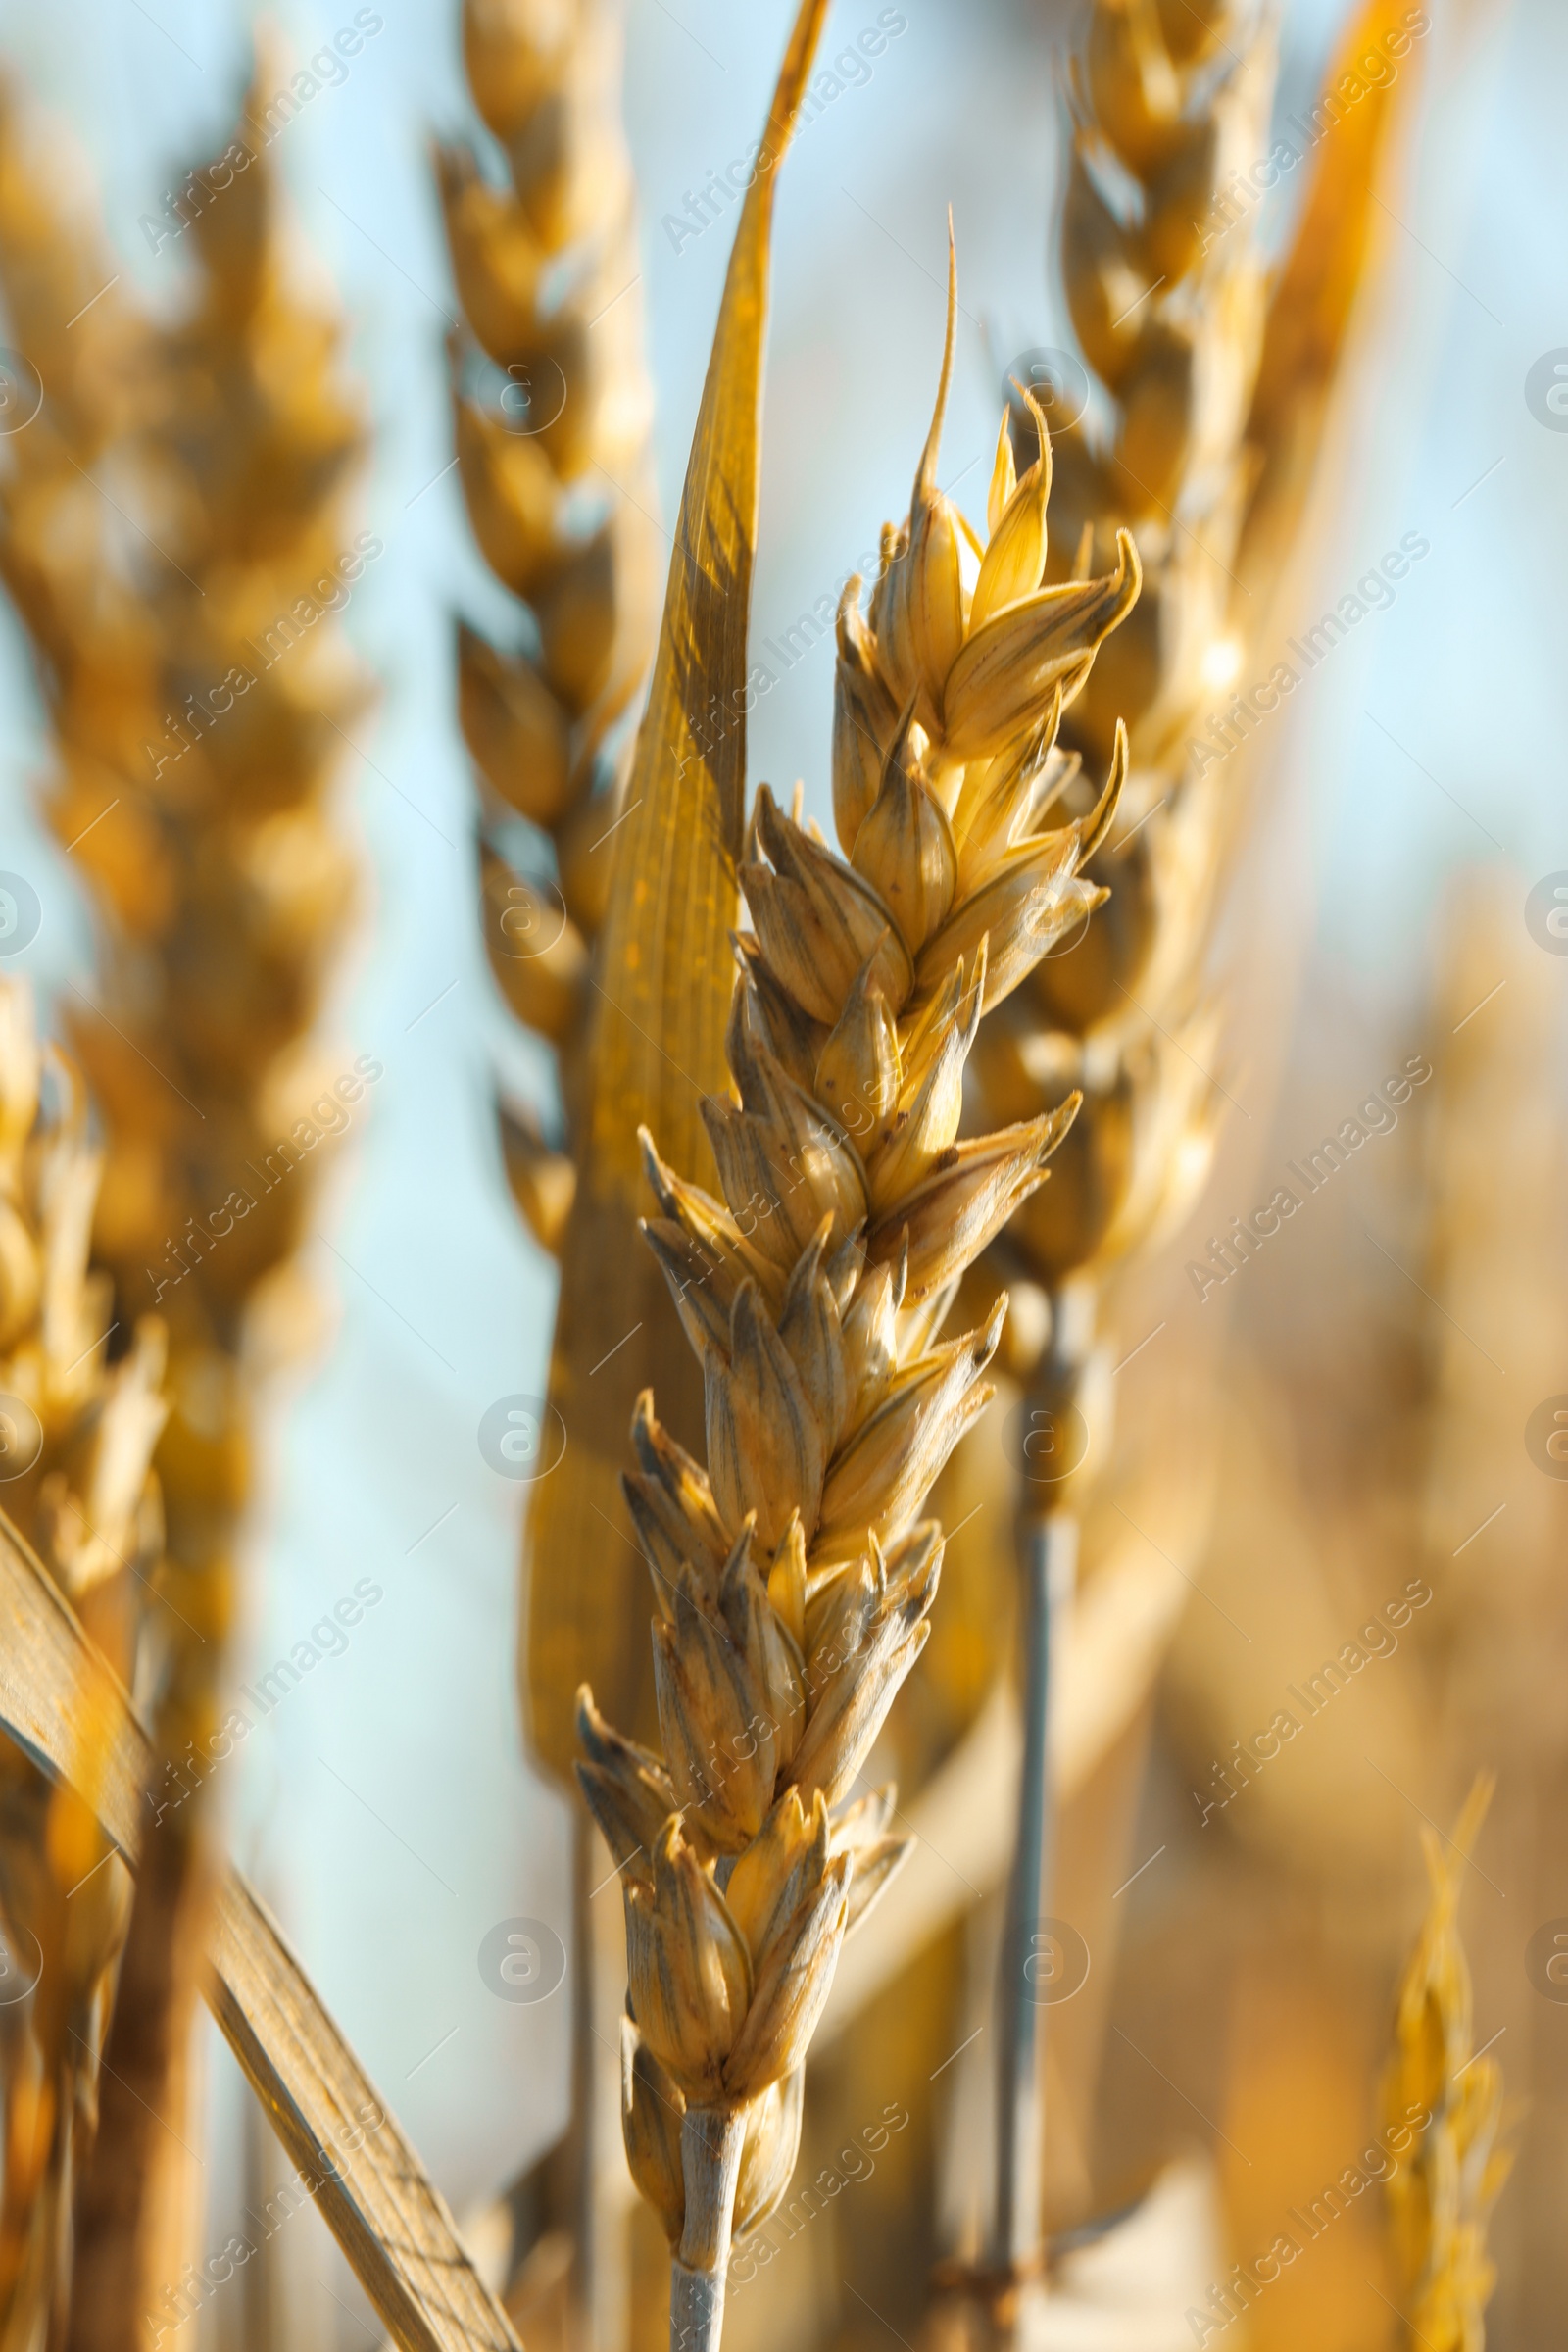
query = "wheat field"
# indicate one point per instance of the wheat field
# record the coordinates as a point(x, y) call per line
point(839, 1619)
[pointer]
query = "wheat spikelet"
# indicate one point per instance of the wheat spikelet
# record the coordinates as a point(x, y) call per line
point(198, 693)
point(547, 274)
point(1441, 2196)
point(792, 1576)
point(78, 1438)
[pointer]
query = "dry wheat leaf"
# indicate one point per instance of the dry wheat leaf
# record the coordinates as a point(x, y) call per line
point(662, 988)
point(60, 1701)
point(1309, 309)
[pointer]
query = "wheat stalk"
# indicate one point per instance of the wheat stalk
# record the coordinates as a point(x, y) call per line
point(198, 717)
point(1173, 468)
point(1217, 391)
point(1452, 2098)
point(792, 1576)
point(548, 274)
point(76, 1437)
point(1172, 323)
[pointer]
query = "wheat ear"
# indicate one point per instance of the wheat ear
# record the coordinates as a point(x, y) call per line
point(198, 720)
point(552, 402)
point(1448, 2098)
point(76, 1437)
point(1159, 106)
point(792, 1576)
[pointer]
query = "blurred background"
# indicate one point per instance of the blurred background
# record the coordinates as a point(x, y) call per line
point(1380, 1361)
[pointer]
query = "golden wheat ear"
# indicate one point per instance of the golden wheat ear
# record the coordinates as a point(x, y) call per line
point(201, 698)
point(1441, 2109)
point(793, 1572)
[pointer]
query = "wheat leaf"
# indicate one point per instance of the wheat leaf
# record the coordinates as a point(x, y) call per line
point(60, 1701)
point(1309, 309)
point(662, 994)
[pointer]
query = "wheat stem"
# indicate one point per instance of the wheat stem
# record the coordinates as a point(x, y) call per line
point(711, 2144)
point(1048, 1549)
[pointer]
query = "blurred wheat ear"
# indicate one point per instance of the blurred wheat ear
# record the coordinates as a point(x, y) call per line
point(199, 693)
point(552, 402)
point(1441, 2107)
point(76, 1437)
point(1215, 383)
point(552, 414)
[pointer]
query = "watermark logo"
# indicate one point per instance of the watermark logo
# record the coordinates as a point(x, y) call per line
point(522, 1438)
point(1058, 380)
point(20, 1436)
point(21, 391)
point(1054, 1961)
point(1547, 1960)
point(1546, 914)
point(1046, 1444)
point(1547, 1437)
point(531, 920)
point(18, 1974)
point(20, 913)
point(1546, 391)
point(533, 395)
point(523, 1960)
